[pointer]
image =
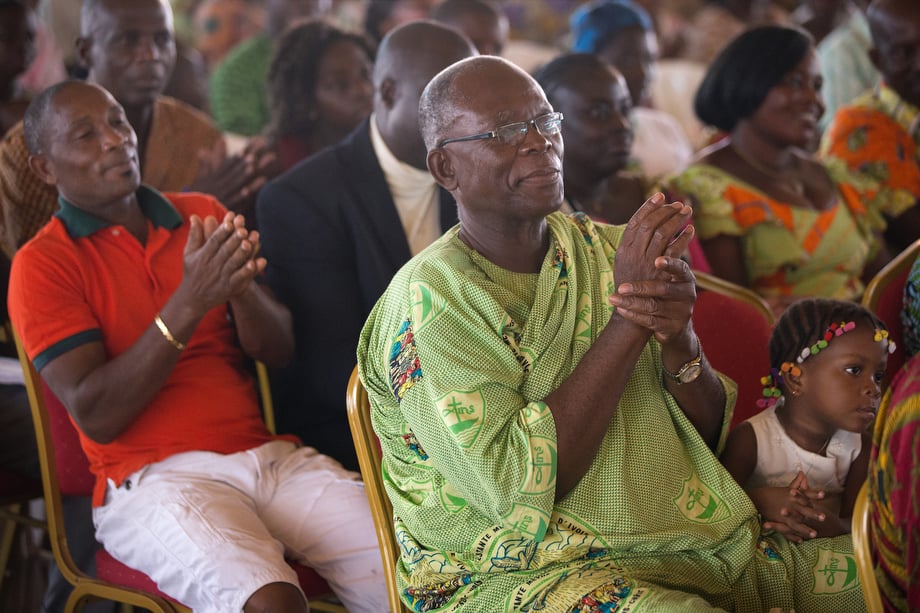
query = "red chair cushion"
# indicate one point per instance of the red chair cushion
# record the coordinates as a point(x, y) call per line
point(890, 303)
point(70, 462)
point(735, 338)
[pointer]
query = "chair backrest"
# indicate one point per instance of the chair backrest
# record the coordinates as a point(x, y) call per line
point(862, 549)
point(884, 296)
point(734, 325)
point(65, 470)
point(368, 448)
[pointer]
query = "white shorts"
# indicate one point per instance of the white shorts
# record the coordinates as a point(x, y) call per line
point(211, 529)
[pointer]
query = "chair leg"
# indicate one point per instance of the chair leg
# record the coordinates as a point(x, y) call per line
point(6, 543)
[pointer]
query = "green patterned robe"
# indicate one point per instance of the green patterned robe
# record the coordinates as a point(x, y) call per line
point(458, 356)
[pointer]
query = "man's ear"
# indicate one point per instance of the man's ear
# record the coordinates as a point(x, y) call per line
point(42, 167)
point(83, 45)
point(441, 168)
point(387, 92)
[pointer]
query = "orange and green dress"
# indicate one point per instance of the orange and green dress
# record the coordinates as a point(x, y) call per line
point(788, 249)
point(878, 136)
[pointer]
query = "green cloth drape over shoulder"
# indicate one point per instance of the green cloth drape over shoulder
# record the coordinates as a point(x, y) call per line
point(458, 356)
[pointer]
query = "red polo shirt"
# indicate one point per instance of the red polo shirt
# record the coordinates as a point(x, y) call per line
point(81, 280)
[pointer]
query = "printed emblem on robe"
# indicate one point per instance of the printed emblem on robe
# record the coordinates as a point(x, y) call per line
point(541, 466)
point(451, 500)
point(699, 504)
point(463, 412)
point(583, 320)
point(834, 572)
point(427, 304)
point(527, 520)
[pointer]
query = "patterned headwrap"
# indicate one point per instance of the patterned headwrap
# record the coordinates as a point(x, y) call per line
point(910, 314)
point(595, 23)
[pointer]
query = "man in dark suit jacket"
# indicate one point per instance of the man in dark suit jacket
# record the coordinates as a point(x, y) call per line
point(334, 230)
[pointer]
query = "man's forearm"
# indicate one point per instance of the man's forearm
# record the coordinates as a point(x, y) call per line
point(264, 326)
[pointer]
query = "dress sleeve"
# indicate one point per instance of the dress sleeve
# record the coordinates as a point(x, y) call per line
point(706, 190)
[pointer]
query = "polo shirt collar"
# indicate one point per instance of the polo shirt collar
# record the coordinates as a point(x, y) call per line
point(154, 206)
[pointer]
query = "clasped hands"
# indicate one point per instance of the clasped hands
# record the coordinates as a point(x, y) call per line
point(655, 288)
point(220, 260)
point(235, 179)
point(794, 511)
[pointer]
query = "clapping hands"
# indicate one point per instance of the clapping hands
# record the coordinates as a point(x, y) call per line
point(220, 260)
point(655, 288)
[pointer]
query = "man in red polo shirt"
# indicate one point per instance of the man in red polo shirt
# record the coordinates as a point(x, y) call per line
point(137, 308)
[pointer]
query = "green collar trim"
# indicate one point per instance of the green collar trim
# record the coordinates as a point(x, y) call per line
point(154, 206)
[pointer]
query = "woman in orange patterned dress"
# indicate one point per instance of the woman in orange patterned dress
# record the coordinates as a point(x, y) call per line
point(769, 215)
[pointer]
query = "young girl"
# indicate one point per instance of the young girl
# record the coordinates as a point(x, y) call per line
point(803, 459)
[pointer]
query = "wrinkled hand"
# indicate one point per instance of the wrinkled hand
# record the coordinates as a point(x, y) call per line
point(656, 289)
point(793, 511)
point(234, 180)
point(220, 260)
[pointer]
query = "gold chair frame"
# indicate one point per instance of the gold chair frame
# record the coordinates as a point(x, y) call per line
point(891, 271)
point(862, 549)
point(716, 284)
point(86, 588)
point(362, 432)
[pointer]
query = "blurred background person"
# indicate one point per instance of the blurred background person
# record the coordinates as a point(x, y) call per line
point(237, 86)
point(319, 89)
point(846, 66)
point(821, 17)
point(877, 134)
point(482, 22)
point(595, 101)
point(17, 50)
point(620, 33)
point(220, 25)
point(769, 215)
point(381, 16)
point(720, 21)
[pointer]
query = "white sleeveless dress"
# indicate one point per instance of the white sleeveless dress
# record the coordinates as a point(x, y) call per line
point(779, 458)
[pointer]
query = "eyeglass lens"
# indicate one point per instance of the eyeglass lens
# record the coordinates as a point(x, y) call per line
point(514, 133)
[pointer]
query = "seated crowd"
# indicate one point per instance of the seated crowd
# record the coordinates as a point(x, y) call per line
point(506, 247)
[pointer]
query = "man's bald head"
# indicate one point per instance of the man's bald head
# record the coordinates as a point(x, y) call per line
point(408, 57)
point(418, 47)
point(449, 93)
point(37, 119)
point(895, 28)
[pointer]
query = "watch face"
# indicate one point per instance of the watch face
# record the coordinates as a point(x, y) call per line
point(690, 373)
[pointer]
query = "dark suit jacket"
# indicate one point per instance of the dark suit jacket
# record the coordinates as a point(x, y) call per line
point(333, 240)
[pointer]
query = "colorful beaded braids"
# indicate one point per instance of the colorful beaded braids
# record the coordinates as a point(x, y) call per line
point(771, 382)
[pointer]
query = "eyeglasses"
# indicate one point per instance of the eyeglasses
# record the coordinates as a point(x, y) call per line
point(514, 133)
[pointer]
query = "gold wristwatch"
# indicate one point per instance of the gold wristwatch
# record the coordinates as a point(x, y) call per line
point(689, 371)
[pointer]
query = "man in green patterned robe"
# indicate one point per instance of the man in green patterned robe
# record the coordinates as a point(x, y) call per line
point(545, 410)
